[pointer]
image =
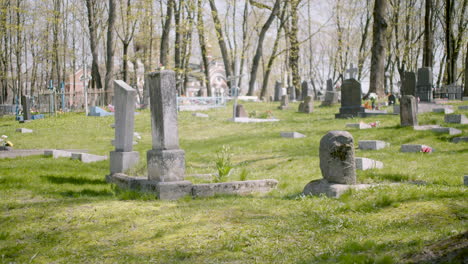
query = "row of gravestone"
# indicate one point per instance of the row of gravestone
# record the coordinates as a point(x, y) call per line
point(331, 96)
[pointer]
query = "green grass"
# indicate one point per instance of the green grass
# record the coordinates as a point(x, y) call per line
point(62, 211)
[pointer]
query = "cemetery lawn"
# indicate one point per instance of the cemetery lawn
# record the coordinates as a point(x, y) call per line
point(63, 211)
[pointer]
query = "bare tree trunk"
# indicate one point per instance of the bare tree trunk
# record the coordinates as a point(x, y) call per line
point(259, 51)
point(108, 81)
point(428, 36)
point(222, 43)
point(465, 92)
point(201, 39)
point(165, 35)
point(362, 46)
point(295, 48)
point(377, 72)
point(96, 76)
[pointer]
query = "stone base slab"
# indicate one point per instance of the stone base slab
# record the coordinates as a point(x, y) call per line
point(322, 186)
point(367, 164)
point(178, 189)
point(122, 161)
point(252, 120)
point(447, 130)
point(456, 119)
point(372, 144)
point(460, 139)
point(442, 110)
point(359, 126)
point(88, 158)
point(292, 135)
point(236, 187)
point(24, 130)
point(166, 165)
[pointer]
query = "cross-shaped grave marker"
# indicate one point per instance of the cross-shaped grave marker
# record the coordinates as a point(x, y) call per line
point(351, 71)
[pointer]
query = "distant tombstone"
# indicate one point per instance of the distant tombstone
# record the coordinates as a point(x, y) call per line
point(351, 71)
point(391, 99)
point(330, 85)
point(307, 106)
point(408, 111)
point(284, 91)
point(240, 111)
point(284, 102)
point(409, 84)
point(123, 157)
point(454, 92)
point(306, 91)
point(424, 84)
point(350, 99)
point(292, 93)
point(278, 91)
point(26, 108)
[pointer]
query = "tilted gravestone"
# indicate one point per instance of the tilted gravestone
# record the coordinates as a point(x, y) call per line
point(284, 102)
point(26, 108)
point(409, 84)
point(166, 161)
point(123, 158)
point(424, 84)
point(278, 91)
point(408, 111)
point(350, 99)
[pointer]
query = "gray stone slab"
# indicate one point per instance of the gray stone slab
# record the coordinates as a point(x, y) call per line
point(200, 115)
point(236, 187)
point(460, 139)
point(87, 158)
point(463, 107)
point(166, 165)
point(252, 120)
point(122, 161)
point(359, 125)
point(30, 152)
point(412, 147)
point(425, 127)
point(350, 99)
point(367, 164)
point(56, 153)
point(425, 107)
point(447, 130)
point(408, 86)
point(456, 119)
point(292, 135)
point(333, 190)
point(24, 130)
point(240, 111)
point(124, 116)
point(336, 154)
point(372, 144)
point(442, 110)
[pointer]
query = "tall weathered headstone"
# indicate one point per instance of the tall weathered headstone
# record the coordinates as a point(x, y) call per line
point(408, 86)
point(305, 90)
point(25, 102)
point(330, 85)
point(166, 161)
point(350, 99)
point(424, 84)
point(337, 157)
point(240, 111)
point(292, 93)
point(278, 91)
point(307, 106)
point(123, 158)
point(284, 102)
point(408, 111)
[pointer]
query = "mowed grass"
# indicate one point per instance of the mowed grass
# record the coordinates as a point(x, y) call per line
point(62, 211)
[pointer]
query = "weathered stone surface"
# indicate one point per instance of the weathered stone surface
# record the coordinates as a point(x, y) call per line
point(25, 101)
point(308, 105)
point(124, 116)
point(173, 190)
point(408, 111)
point(278, 87)
point(337, 157)
point(372, 144)
point(162, 86)
point(425, 127)
point(240, 111)
point(284, 102)
point(350, 99)
point(253, 120)
point(411, 147)
point(166, 165)
point(409, 84)
point(88, 158)
point(24, 130)
point(447, 130)
point(442, 110)
point(425, 107)
point(359, 126)
point(333, 190)
point(56, 153)
point(456, 119)
point(463, 107)
point(292, 135)
point(306, 90)
point(424, 84)
point(292, 93)
point(465, 180)
point(120, 161)
point(200, 115)
point(236, 187)
point(460, 139)
point(367, 164)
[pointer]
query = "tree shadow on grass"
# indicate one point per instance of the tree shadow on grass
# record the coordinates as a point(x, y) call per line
point(72, 180)
point(87, 193)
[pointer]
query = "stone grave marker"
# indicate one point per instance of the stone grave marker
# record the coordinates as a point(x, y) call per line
point(409, 84)
point(463, 107)
point(200, 115)
point(278, 91)
point(284, 102)
point(359, 125)
point(123, 157)
point(240, 111)
point(307, 106)
point(443, 110)
point(447, 130)
point(292, 135)
point(305, 90)
point(413, 147)
point(372, 144)
point(456, 119)
point(367, 164)
point(292, 93)
point(331, 96)
point(87, 158)
point(350, 99)
point(24, 130)
point(460, 139)
point(424, 84)
point(408, 111)
point(26, 103)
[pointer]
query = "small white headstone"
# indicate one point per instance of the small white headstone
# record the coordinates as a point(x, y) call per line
point(292, 135)
point(24, 130)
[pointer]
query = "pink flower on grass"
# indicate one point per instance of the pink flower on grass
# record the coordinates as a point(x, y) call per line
point(374, 124)
point(426, 149)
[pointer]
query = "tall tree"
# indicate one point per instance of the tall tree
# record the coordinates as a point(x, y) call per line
point(129, 22)
point(259, 50)
point(377, 71)
point(165, 35)
point(91, 5)
point(222, 43)
point(108, 81)
point(295, 47)
point(453, 43)
point(428, 52)
point(202, 41)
